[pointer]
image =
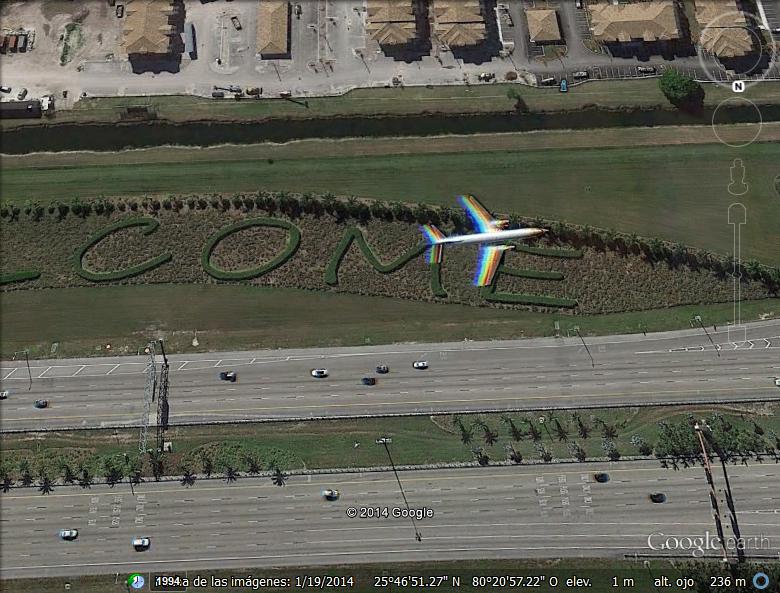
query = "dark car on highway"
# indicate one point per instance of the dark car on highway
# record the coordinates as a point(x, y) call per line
point(601, 477)
point(41, 403)
point(382, 369)
point(368, 381)
point(658, 497)
point(228, 376)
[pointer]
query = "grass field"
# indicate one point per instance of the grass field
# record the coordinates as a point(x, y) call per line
point(233, 317)
point(674, 192)
point(601, 573)
point(397, 101)
point(330, 444)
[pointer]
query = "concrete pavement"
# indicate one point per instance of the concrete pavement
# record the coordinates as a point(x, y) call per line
point(515, 512)
point(674, 367)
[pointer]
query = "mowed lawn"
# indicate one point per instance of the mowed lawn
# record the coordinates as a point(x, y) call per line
point(674, 192)
point(237, 317)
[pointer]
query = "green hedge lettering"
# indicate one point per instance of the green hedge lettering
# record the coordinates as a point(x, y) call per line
point(150, 225)
point(19, 276)
point(292, 246)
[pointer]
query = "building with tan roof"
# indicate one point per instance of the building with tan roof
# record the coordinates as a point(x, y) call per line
point(458, 23)
point(273, 29)
point(649, 21)
point(391, 22)
point(724, 29)
point(543, 26)
point(148, 29)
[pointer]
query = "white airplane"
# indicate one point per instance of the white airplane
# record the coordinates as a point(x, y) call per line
point(491, 231)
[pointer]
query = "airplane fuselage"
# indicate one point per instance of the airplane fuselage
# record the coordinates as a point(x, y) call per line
point(494, 237)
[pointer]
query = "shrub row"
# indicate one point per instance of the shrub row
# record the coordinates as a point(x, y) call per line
point(19, 276)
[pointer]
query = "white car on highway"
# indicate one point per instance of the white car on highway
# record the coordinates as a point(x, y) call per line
point(141, 543)
point(777, 381)
point(319, 373)
point(420, 365)
point(4, 394)
point(69, 534)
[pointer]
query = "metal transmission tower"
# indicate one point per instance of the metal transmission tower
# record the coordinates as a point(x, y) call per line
point(162, 400)
point(151, 384)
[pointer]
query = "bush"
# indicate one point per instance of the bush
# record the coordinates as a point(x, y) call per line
point(682, 91)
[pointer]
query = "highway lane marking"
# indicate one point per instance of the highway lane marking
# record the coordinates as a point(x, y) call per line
point(13, 370)
point(407, 403)
point(408, 550)
point(532, 472)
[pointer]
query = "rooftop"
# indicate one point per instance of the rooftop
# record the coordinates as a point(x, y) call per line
point(653, 20)
point(391, 21)
point(458, 23)
point(724, 29)
point(543, 25)
point(273, 23)
point(147, 27)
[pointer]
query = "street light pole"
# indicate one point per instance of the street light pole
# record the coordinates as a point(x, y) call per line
point(698, 318)
point(592, 362)
point(385, 441)
point(27, 360)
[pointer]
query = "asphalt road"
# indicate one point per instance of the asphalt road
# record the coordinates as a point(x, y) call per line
point(510, 512)
point(675, 367)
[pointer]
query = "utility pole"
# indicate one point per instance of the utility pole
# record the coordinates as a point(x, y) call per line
point(385, 441)
point(27, 360)
point(592, 362)
point(699, 428)
point(698, 318)
point(162, 400)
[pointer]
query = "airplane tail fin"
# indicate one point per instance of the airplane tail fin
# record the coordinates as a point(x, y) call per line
point(432, 235)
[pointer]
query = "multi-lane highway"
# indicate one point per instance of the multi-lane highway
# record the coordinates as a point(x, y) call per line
point(509, 512)
point(674, 367)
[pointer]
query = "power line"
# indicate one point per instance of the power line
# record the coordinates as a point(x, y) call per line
point(385, 441)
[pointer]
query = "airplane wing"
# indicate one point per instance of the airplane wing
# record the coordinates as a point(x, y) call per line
point(487, 263)
point(481, 218)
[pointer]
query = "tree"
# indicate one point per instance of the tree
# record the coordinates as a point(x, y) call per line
point(488, 435)
point(682, 91)
point(560, 431)
point(465, 433)
point(543, 452)
point(610, 449)
point(481, 456)
point(7, 482)
point(206, 464)
point(157, 461)
point(112, 473)
point(279, 478)
point(582, 429)
point(45, 484)
point(514, 455)
point(68, 477)
point(514, 431)
point(533, 432)
point(85, 479)
point(231, 474)
point(641, 444)
point(576, 451)
point(252, 463)
point(188, 478)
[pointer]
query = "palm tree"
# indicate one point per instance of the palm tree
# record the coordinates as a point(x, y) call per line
point(514, 431)
point(489, 436)
point(26, 478)
point(252, 464)
point(481, 456)
point(113, 474)
point(576, 451)
point(85, 479)
point(582, 429)
point(279, 478)
point(206, 463)
point(465, 433)
point(187, 478)
point(544, 453)
point(608, 431)
point(533, 432)
point(7, 482)
point(560, 431)
point(231, 475)
point(68, 477)
point(514, 455)
point(157, 461)
point(45, 485)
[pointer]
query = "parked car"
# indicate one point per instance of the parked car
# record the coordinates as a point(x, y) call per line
point(549, 81)
point(69, 534)
point(253, 90)
point(218, 94)
point(646, 69)
point(41, 403)
point(319, 373)
point(658, 497)
point(382, 369)
point(580, 75)
point(777, 381)
point(601, 477)
point(141, 543)
point(5, 89)
point(120, 11)
point(420, 365)
point(236, 22)
point(228, 376)
point(368, 380)
point(329, 494)
point(4, 394)
point(22, 94)
point(234, 88)
point(298, 11)
point(578, 3)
